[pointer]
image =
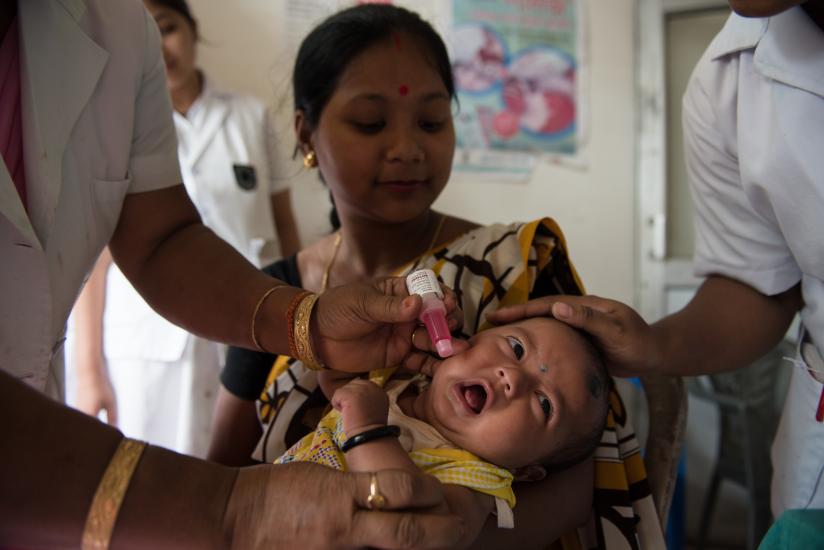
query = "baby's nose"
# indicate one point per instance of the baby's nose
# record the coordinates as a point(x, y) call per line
point(511, 379)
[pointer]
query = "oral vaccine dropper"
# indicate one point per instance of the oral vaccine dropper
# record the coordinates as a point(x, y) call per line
point(424, 283)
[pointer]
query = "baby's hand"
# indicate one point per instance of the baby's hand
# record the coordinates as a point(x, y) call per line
point(363, 405)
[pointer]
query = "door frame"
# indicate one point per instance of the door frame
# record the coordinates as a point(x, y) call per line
point(656, 271)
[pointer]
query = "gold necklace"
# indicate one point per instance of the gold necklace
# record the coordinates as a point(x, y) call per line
point(339, 237)
point(335, 247)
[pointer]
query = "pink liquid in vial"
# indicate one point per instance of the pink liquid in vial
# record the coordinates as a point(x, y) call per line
point(433, 316)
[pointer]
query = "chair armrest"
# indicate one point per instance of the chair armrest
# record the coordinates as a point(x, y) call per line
point(667, 406)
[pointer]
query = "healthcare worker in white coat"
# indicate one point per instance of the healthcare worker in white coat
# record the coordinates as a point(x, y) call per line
point(156, 381)
point(88, 156)
point(754, 135)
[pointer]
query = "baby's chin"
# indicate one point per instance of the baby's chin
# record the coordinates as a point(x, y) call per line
point(438, 389)
point(491, 457)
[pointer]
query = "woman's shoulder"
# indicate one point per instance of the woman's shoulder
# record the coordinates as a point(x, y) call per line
point(457, 230)
point(454, 227)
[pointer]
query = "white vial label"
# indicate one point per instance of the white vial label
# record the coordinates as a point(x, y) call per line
point(423, 282)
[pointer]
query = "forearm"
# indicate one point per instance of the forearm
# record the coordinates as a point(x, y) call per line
point(55, 451)
point(199, 282)
point(88, 318)
point(545, 511)
point(175, 501)
point(725, 326)
point(381, 454)
point(235, 430)
point(192, 277)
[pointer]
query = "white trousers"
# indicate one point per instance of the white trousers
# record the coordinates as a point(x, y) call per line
point(798, 449)
point(170, 404)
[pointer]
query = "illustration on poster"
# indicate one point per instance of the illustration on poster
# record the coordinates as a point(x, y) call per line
point(535, 86)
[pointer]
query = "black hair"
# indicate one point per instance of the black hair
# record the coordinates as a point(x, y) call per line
point(582, 444)
point(329, 48)
point(181, 7)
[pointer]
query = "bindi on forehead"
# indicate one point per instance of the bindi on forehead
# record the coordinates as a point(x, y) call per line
point(403, 89)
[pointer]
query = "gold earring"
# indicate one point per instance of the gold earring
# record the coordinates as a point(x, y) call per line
point(310, 160)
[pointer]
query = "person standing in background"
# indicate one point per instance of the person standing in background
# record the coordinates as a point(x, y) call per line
point(155, 380)
point(754, 134)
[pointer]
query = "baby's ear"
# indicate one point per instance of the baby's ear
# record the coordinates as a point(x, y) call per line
point(533, 472)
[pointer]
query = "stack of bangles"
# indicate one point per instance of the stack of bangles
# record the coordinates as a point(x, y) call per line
point(298, 317)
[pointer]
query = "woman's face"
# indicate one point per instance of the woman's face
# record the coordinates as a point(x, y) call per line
point(385, 139)
point(179, 45)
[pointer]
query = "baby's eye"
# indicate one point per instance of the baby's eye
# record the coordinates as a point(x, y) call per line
point(516, 345)
point(546, 404)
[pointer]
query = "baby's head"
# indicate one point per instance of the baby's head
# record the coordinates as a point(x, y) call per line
point(529, 393)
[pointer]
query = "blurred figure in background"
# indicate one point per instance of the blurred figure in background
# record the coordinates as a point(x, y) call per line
point(156, 381)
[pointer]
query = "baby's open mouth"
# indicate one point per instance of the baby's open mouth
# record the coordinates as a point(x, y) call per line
point(475, 397)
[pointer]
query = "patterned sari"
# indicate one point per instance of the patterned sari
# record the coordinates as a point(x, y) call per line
point(488, 268)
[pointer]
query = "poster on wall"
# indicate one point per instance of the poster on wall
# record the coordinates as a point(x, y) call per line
point(517, 67)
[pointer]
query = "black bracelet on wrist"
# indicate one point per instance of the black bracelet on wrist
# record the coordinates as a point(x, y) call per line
point(370, 435)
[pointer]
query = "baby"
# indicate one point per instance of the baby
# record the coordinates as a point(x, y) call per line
point(524, 399)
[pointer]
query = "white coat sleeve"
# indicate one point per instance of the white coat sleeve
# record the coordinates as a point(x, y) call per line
point(153, 163)
point(731, 238)
point(277, 181)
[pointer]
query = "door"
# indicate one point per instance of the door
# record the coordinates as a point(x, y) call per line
point(674, 35)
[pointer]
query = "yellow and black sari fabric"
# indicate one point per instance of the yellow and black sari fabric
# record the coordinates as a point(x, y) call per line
point(488, 268)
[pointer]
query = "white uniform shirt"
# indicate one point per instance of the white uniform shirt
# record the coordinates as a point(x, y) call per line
point(754, 135)
point(754, 131)
point(227, 152)
point(227, 159)
point(97, 124)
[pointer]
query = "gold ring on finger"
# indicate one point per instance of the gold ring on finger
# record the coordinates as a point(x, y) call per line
point(375, 500)
point(414, 330)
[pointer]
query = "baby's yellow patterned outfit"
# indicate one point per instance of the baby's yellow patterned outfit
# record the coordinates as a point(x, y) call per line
point(428, 449)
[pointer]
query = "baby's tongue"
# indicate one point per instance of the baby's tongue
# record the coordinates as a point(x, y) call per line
point(476, 397)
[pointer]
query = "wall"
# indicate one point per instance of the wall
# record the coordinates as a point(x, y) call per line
point(246, 49)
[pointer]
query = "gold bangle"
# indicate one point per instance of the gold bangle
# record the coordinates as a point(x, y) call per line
point(109, 495)
point(257, 310)
point(303, 338)
point(290, 321)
